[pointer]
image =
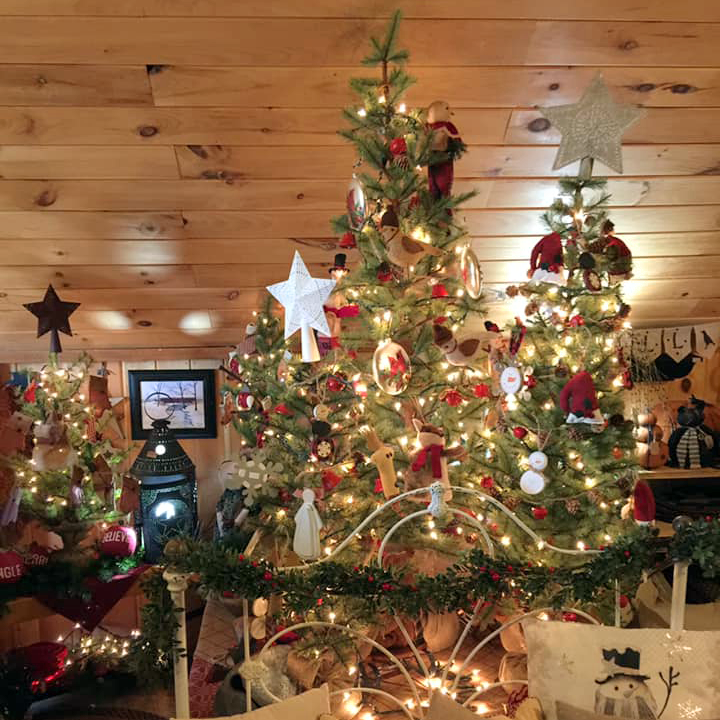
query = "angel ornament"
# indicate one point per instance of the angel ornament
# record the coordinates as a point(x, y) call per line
point(308, 523)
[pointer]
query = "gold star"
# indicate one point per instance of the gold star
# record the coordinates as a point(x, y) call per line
point(592, 127)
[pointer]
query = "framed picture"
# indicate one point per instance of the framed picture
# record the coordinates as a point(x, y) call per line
point(186, 398)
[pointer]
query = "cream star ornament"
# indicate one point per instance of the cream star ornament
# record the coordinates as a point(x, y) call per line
point(592, 127)
point(303, 298)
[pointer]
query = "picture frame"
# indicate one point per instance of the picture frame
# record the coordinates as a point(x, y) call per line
point(184, 397)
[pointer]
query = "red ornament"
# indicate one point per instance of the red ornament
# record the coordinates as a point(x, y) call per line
point(378, 486)
point(569, 617)
point(37, 556)
point(398, 147)
point(487, 482)
point(319, 601)
point(334, 384)
point(623, 601)
point(453, 398)
point(539, 513)
point(12, 567)
point(330, 480)
point(119, 541)
point(439, 291)
point(29, 394)
point(482, 390)
point(576, 321)
point(283, 409)
point(440, 320)
point(617, 453)
point(267, 575)
point(384, 272)
point(520, 432)
point(531, 381)
point(347, 241)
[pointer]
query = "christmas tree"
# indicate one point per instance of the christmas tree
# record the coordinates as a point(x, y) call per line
point(66, 477)
point(385, 395)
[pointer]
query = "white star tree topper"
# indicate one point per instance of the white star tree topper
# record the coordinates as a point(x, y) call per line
point(303, 298)
point(592, 127)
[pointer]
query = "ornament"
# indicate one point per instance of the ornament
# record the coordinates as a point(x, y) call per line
point(244, 401)
point(389, 224)
point(439, 291)
point(471, 273)
point(592, 281)
point(335, 383)
point(579, 400)
point(511, 380)
point(385, 272)
point(546, 260)
point(532, 482)
point(487, 482)
point(539, 513)
point(538, 460)
point(453, 398)
point(382, 457)
point(52, 450)
point(617, 453)
point(572, 505)
point(306, 541)
point(391, 368)
point(53, 316)
point(457, 352)
point(445, 139)
point(119, 541)
point(433, 453)
point(248, 346)
point(303, 297)
point(323, 446)
point(398, 150)
point(481, 391)
point(520, 433)
point(347, 241)
point(356, 204)
point(406, 251)
point(12, 567)
point(592, 127)
point(37, 556)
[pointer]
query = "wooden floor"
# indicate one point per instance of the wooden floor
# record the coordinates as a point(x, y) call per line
point(160, 160)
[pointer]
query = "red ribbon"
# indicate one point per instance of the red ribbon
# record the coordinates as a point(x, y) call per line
point(433, 453)
point(343, 312)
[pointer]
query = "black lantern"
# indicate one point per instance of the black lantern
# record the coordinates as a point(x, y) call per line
point(168, 493)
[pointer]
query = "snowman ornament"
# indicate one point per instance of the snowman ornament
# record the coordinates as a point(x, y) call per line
point(532, 480)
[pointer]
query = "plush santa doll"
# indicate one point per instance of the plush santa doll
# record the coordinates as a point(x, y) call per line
point(546, 260)
point(641, 506)
point(618, 255)
point(579, 400)
point(336, 308)
point(446, 138)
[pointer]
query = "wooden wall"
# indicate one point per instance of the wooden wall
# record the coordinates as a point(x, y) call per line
point(160, 160)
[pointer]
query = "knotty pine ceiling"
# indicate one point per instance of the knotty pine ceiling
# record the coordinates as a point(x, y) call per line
point(160, 160)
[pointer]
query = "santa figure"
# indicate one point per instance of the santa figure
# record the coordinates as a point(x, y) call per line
point(618, 256)
point(446, 139)
point(546, 260)
point(579, 400)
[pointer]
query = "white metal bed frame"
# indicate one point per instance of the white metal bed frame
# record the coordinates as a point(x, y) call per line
point(252, 668)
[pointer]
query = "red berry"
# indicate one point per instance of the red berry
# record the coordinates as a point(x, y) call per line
point(520, 432)
point(319, 601)
point(487, 482)
point(482, 390)
point(627, 553)
point(539, 513)
point(267, 575)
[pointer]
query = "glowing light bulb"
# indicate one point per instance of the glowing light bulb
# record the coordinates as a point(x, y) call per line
point(505, 540)
point(362, 112)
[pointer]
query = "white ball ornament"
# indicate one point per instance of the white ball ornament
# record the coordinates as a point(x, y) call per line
point(532, 482)
point(511, 380)
point(538, 460)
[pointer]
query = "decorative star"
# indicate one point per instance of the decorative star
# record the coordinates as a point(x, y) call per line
point(303, 298)
point(53, 316)
point(689, 711)
point(592, 127)
point(675, 646)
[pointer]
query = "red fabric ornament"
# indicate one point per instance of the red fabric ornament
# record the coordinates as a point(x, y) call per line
point(12, 567)
point(539, 513)
point(530, 381)
point(30, 392)
point(384, 272)
point(643, 503)
point(330, 480)
point(623, 601)
point(440, 320)
point(347, 241)
point(520, 432)
point(453, 398)
point(547, 254)
point(119, 541)
point(578, 396)
point(283, 409)
point(576, 321)
point(482, 390)
point(398, 147)
point(439, 291)
point(235, 365)
point(487, 482)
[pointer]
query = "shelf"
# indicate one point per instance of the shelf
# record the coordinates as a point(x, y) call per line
point(668, 473)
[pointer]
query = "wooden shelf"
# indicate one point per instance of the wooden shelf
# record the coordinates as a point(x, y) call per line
point(668, 473)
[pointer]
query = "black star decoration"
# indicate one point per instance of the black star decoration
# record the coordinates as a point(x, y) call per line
point(53, 316)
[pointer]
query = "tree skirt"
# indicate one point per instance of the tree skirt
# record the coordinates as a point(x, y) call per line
point(93, 713)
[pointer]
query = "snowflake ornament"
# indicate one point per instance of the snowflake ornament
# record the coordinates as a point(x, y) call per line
point(253, 473)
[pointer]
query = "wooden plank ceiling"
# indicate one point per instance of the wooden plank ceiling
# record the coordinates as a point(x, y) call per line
point(160, 160)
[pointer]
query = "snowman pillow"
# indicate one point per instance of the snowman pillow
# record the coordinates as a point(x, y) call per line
point(594, 672)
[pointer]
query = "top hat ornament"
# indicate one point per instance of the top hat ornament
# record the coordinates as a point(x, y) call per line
point(339, 269)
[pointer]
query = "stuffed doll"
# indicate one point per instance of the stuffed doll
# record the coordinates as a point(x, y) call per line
point(463, 351)
point(691, 443)
point(446, 139)
point(546, 260)
point(579, 400)
point(434, 455)
point(382, 457)
point(617, 254)
point(649, 450)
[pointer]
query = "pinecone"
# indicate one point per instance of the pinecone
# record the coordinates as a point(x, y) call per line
point(595, 497)
point(531, 308)
point(572, 505)
point(575, 434)
point(625, 482)
point(512, 503)
point(597, 246)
